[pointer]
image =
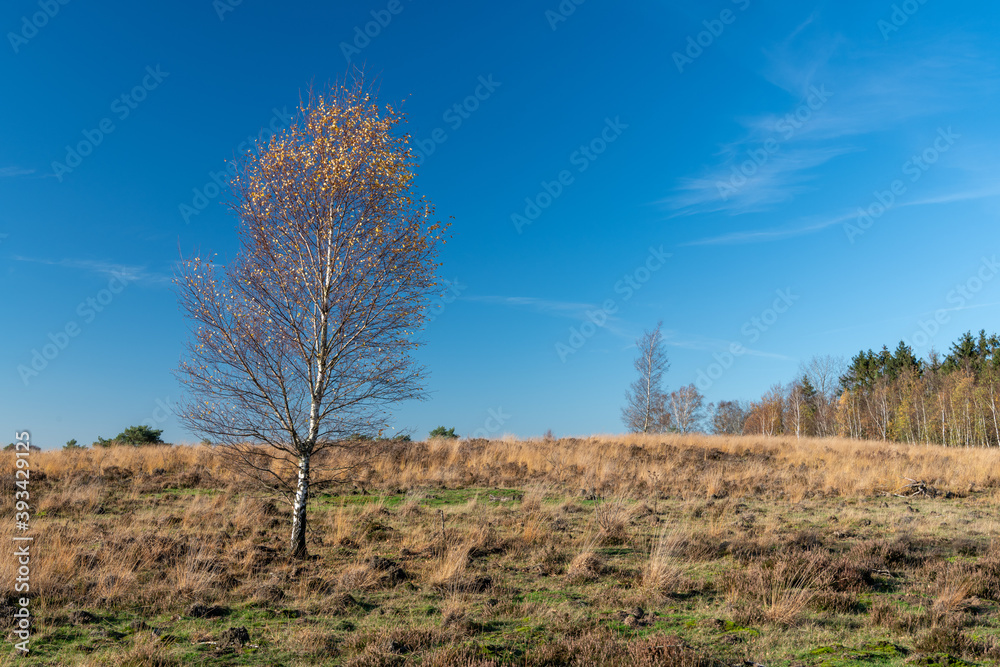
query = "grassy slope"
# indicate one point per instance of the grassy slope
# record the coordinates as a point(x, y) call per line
point(614, 551)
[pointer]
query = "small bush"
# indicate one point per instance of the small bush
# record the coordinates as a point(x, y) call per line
point(442, 432)
point(135, 436)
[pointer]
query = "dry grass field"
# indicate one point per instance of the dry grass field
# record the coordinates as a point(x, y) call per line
point(617, 550)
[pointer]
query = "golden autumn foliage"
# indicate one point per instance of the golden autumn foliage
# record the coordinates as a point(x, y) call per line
point(305, 337)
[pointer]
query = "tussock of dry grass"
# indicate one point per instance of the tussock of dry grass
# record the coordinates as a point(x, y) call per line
point(451, 570)
point(778, 592)
point(953, 591)
point(661, 574)
point(588, 564)
point(612, 517)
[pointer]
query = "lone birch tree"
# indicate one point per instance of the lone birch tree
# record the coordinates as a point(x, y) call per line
point(645, 408)
point(687, 409)
point(304, 338)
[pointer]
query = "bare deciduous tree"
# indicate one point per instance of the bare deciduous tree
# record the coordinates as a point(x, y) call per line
point(645, 408)
point(687, 409)
point(305, 337)
point(824, 372)
point(798, 409)
point(729, 417)
point(765, 415)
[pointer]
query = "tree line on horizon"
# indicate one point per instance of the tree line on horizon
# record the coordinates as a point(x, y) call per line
point(951, 399)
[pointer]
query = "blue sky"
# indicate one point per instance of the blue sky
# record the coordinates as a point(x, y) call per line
point(797, 178)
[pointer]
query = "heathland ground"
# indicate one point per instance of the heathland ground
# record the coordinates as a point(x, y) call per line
point(610, 550)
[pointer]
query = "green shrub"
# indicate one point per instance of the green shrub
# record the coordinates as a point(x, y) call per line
point(442, 432)
point(135, 436)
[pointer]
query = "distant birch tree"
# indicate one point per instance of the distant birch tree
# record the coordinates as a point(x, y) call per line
point(687, 409)
point(823, 373)
point(305, 337)
point(798, 408)
point(645, 408)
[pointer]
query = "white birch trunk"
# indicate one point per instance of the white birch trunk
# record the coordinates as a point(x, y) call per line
point(298, 544)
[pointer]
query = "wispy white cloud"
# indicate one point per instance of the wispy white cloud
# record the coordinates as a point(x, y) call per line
point(735, 188)
point(767, 355)
point(131, 272)
point(13, 172)
point(802, 26)
point(707, 344)
point(773, 234)
point(616, 327)
point(973, 306)
point(958, 196)
point(573, 309)
point(813, 225)
point(837, 97)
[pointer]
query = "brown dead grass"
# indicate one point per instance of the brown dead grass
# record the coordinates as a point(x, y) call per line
point(662, 573)
point(686, 466)
point(787, 536)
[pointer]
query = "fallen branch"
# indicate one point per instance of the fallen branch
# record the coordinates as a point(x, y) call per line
point(918, 488)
